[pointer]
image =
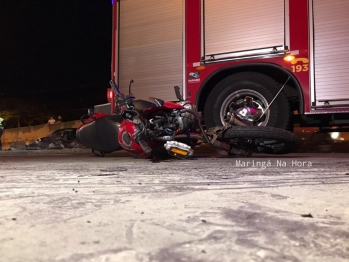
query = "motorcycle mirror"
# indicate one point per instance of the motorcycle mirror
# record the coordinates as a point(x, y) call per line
point(129, 87)
point(178, 94)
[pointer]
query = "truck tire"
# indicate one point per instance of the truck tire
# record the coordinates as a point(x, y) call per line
point(261, 88)
point(270, 140)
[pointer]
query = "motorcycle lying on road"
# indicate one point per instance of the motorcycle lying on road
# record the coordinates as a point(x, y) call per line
point(145, 128)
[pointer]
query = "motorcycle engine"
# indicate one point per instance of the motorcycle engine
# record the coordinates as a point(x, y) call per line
point(174, 122)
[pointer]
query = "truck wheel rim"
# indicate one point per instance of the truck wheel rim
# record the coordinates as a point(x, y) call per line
point(258, 99)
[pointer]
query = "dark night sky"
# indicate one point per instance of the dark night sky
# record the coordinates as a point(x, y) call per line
point(56, 52)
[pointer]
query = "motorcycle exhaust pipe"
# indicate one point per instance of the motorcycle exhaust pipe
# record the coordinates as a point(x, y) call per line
point(170, 138)
point(233, 121)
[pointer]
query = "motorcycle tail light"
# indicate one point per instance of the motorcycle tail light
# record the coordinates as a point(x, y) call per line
point(110, 95)
point(177, 151)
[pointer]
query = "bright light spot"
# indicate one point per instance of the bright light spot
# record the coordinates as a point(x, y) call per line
point(334, 135)
point(200, 68)
point(110, 94)
point(289, 58)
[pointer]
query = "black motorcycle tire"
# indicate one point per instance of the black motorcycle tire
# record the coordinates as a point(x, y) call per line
point(241, 133)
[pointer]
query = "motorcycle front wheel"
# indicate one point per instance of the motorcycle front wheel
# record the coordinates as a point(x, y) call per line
point(262, 139)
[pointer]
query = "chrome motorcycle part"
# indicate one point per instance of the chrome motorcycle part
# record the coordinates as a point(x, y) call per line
point(163, 138)
point(186, 104)
point(229, 118)
point(247, 106)
point(178, 149)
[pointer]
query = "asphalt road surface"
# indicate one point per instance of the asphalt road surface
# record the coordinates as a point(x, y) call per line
point(64, 206)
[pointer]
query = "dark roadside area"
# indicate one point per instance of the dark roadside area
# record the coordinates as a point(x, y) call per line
point(311, 140)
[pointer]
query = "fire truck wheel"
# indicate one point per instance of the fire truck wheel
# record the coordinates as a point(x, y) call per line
point(247, 95)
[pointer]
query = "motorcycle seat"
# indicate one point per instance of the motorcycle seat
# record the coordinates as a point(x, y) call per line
point(157, 101)
point(144, 104)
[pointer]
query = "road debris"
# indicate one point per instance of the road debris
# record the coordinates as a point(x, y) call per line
point(307, 215)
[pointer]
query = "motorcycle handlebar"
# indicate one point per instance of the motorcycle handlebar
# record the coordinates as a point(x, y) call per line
point(123, 100)
point(114, 86)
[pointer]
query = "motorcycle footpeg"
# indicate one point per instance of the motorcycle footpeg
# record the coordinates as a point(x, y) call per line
point(178, 149)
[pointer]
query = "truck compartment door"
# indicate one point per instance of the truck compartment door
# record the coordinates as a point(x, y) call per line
point(331, 48)
point(234, 26)
point(150, 47)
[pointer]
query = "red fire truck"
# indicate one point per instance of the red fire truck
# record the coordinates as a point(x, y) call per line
point(289, 56)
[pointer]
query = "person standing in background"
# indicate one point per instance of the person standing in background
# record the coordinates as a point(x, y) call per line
point(51, 120)
point(59, 119)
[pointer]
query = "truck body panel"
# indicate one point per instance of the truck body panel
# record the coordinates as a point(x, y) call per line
point(195, 43)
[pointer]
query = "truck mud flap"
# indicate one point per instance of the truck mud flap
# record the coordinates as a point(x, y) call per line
point(101, 134)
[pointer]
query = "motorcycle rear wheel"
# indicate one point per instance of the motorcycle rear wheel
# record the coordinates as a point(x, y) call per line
point(262, 139)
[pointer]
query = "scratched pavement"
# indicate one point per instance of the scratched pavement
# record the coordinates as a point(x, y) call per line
point(72, 206)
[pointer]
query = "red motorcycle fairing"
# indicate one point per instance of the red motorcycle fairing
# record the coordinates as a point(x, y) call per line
point(172, 105)
point(127, 140)
point(166, 105)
